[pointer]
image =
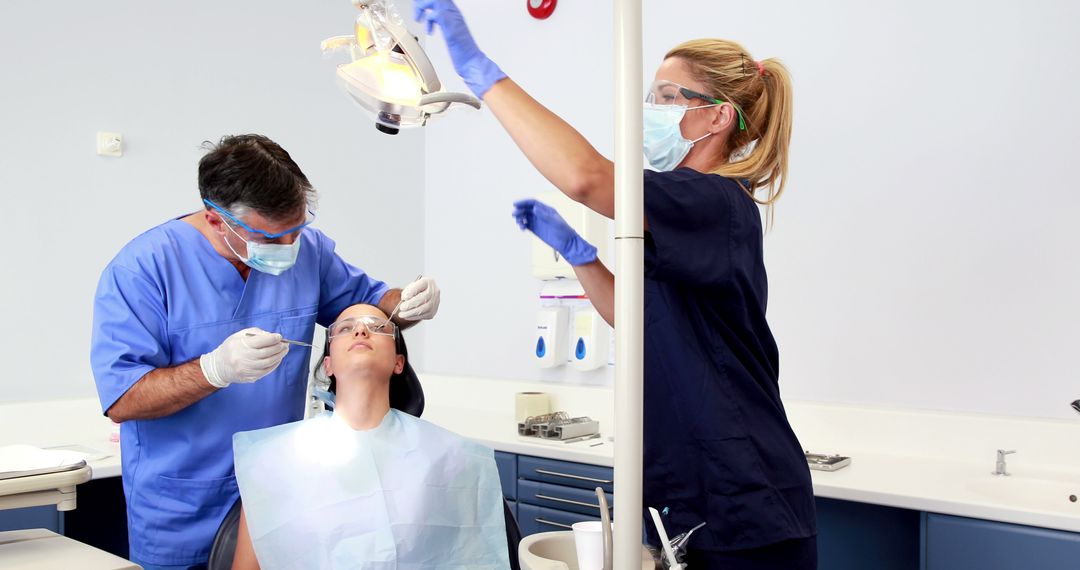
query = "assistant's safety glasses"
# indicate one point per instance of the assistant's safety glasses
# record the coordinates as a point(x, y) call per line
point(670, 93)
point(374, 325)
point(307, 221)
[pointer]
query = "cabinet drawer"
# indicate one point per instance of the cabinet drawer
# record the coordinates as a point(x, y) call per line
point(566, 473)
point(507, 464)
point(533, 519)
point(561, 497)
point(957, 542)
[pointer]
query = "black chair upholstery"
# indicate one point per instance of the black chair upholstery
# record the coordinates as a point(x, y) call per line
point(221, 553)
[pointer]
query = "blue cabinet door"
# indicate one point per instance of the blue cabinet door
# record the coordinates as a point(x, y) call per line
point(562, 498)
point(45, 517)
point(859, 536)
point(566, 473)
point(533, 519)
point(507, 464)
point(957, 543)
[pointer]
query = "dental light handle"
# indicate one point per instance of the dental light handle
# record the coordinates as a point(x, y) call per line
point(449, 97)
point(669, 554)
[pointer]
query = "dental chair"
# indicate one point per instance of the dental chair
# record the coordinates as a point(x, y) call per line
point(406, 395)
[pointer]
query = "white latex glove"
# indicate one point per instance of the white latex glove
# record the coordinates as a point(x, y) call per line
point(419, 300)
point(244, 357)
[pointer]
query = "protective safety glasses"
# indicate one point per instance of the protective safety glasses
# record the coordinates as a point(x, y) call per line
point(307, 221)
point(374, 325)
point(670, 93)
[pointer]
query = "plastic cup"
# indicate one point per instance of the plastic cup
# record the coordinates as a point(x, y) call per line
point(589, 542)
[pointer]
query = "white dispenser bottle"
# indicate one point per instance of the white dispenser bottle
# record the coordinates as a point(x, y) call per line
point(551, 324)
point(589, 340)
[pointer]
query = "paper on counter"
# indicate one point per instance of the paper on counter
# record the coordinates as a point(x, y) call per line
point(26, 460)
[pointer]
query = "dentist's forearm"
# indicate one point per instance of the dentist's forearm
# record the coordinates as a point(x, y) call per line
point(162, 392)
point(599, 285)
point(555, 148)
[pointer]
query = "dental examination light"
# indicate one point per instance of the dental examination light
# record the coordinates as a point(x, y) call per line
point(390, 76)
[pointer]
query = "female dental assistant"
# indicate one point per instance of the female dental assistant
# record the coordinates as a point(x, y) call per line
point(718, 447)
point(186, 348)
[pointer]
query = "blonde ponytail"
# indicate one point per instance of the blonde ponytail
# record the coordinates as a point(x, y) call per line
point(762, 92)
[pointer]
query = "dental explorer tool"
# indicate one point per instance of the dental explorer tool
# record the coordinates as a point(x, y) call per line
point(286, 341)
point(394, 312)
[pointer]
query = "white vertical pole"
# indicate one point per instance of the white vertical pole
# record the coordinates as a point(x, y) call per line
point(629, 287)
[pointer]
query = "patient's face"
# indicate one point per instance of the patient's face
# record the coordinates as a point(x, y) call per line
point(361, 353)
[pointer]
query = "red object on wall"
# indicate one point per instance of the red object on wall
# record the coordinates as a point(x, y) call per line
point(541, 9)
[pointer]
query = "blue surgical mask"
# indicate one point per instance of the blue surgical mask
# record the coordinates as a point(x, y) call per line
point(272, 258)
point(665, 147)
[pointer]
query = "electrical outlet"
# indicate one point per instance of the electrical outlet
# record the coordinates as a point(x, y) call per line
point(110, 144)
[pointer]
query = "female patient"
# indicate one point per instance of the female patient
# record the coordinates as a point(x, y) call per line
point(370, 486)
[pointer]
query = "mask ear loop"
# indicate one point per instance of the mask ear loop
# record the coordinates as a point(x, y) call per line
point(231, 248)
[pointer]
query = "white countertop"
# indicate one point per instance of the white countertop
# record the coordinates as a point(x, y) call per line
point(929, 461)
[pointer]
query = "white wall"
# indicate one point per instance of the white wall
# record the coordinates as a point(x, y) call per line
point(924, 253)
point(168, 76)
point(925, 249)
point(474, 173)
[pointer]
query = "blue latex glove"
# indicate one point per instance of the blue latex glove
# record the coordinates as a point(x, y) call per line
point(479, 72)
point(548, 225)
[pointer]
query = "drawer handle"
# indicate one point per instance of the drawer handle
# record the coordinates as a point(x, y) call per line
point(560, 525)
point(568, 476)
point(567, 501)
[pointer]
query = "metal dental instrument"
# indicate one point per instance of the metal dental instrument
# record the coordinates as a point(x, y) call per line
point(678, 542)
point(394, 312)
point(286, 341)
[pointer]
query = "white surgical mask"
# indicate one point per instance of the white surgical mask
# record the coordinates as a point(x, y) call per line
point(665, 147)
point(272, 258)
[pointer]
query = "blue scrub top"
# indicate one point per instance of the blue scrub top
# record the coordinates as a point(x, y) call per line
point(167, 298)
point(718, 446)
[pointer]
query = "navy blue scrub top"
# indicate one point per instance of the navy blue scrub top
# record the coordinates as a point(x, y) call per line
point(718, 446)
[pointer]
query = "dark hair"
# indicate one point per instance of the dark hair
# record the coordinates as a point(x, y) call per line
point(255, 172)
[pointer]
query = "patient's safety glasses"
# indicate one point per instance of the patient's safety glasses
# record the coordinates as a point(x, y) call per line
point(374, 325)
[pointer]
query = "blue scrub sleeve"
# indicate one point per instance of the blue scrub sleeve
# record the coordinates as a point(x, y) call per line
point(129, 335)
point(689, 217)
point(342, 284)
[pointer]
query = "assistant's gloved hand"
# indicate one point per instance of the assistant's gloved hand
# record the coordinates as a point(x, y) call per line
point(548, 225)
point(419, 300)
point(479, 72)
point(244, 357)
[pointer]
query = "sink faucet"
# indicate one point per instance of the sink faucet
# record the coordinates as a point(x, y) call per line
point(999, 467)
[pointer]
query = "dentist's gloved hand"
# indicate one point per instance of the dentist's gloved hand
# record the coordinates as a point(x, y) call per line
point(548, 225)
point(243, 358)
point(419, 300)
point(479, 72)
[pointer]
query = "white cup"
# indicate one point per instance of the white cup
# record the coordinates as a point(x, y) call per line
point(589, 542)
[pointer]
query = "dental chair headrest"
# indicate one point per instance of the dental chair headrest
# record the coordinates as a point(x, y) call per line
point(406, 394)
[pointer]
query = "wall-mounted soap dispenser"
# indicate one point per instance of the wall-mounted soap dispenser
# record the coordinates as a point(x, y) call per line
point(551, 324)
point(589, 340)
